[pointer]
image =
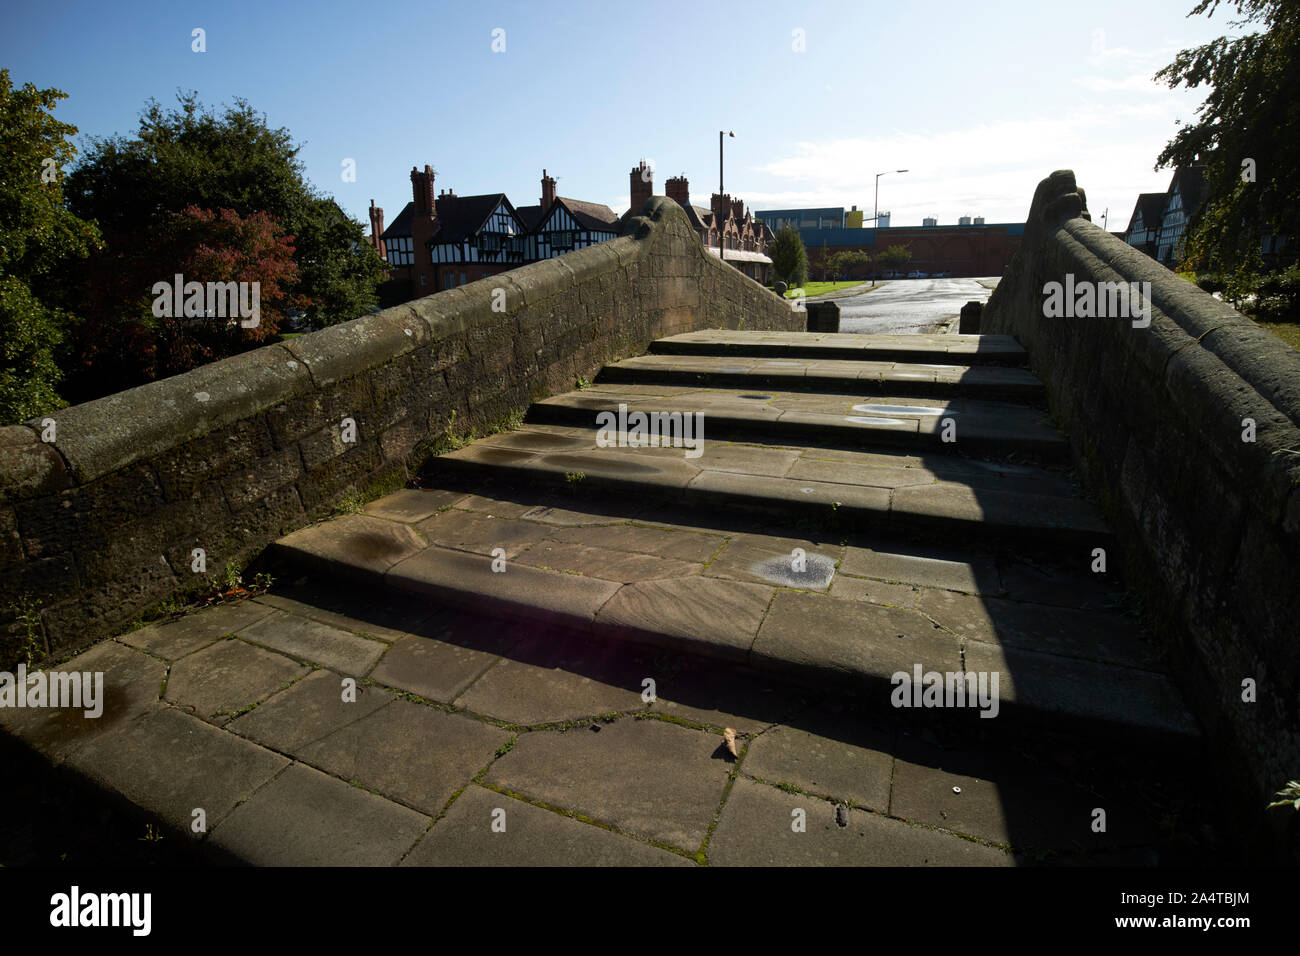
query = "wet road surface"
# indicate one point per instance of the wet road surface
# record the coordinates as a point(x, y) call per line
point(908, 305)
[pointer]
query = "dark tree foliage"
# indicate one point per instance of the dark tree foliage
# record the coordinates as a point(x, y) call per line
point(37, 237)
point(192, 157)
point(1249, 123)
point(789, 257)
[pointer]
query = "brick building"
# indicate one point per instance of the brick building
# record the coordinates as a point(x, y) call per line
point(744, 239)
point(443, 241)
point(969, 248)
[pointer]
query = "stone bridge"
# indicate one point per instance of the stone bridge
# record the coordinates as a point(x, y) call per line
point(860, 507)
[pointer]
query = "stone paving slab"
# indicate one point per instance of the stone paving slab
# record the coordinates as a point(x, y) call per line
point(707, 615)
point(172, 764)
point(315, 642)
point(389, 616)
point(838, 757)
point(369, 546)
point(647, 777)
point(172, 641)
point(854, 643)
point(756, 829)
point(977, 576)
point(1003, 800)
point(547, 679)
point(307, 818)
point(468, 581)
point(132, 683)
point(1085, 691)
point(313, 708)
point(220, 681)
point(412, 753)
point(1092, 635)
point(432, 669)
point(525, 835)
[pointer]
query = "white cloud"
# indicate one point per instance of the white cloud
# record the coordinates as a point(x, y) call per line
point(989, 170)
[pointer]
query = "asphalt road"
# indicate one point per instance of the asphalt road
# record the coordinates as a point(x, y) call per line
point(908, 305)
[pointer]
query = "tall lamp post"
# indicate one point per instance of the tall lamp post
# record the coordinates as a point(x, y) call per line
point(720, 192)
point(875, 218)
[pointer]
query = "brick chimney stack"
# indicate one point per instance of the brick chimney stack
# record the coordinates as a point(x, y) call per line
point(642, 186)
point(548, 192)
point(679, 188)
point(422, 190)
point(377, 228)
point(721, 206)
point(424, 225)
point(738, 210)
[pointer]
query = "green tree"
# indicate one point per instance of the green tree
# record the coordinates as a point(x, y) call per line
point(1246, 129)
point(789, 257)
point(37, 236)
point(895, 258)
point(191, 156)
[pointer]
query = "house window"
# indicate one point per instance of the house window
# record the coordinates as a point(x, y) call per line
point(399, 251)
point(562, 240)
point(462, 278)
point(489, 242)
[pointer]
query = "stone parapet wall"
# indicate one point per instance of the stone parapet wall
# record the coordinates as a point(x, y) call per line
point(1210, 523)
point(100, 524)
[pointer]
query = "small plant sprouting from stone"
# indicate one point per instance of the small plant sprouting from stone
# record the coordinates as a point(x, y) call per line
point(574, 478)
point(352, 503)
point(584, 383)
point(151, 834)
point(1290, 795)
point(27, 615)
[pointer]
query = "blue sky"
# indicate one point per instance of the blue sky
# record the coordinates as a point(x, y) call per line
point(977, 101)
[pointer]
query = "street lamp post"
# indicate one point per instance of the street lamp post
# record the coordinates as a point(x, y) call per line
point(876, 215)
point(720, 192)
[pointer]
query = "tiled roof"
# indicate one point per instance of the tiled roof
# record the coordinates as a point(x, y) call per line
point(530, 216)
point(463, 216)
point(401, 226)
point(591, 215)
point(1151, 204)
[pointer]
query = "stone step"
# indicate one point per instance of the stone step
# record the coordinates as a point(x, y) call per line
point(952, 349)
point(978, 428)
point(827, 375)
point(848, 616)
point(886, 493)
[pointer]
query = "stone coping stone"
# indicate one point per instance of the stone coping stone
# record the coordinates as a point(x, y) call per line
point(103, 435)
